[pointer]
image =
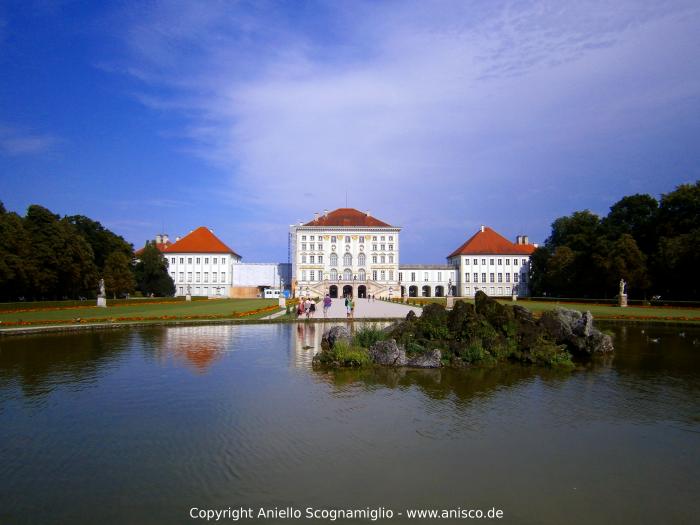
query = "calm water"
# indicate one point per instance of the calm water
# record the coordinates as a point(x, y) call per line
point(138, 426)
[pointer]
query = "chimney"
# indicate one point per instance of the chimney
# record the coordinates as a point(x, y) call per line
point(483, 228)
point(517, 240)
point(166, 239)
point(159, 239)
point(316, 216)
point(526, 240)
point(367, 213)
point(325, 213)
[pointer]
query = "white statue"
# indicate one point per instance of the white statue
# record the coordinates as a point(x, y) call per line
point(102, 288)
point(622, 287)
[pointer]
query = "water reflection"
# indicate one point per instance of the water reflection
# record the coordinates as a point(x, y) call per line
point(199, 347)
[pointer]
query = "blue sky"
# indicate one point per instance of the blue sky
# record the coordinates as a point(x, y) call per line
point(435, 116)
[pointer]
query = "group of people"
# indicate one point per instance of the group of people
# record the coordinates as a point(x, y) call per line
point(307, 307)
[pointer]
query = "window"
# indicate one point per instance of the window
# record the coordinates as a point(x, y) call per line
point(400, 276)
point(206, 277)
point(361, 259)
point(382, 259)
point(515, 277)
point(311, 238)
point(483, 277)
point(413, 277)
point(439, 276)
point(374, 247)
point(476, 278)
point(334, 259)
point(383, 237)
point(334, 274)
point(475, 262)
point(347, 238)
point(507, 277)
point(312, 260)
point(425, 276)
point(213, 277)
point(312, 275)
point(189, 277)
point(320, 246)
point(391, 247)
point(468, 290)
point(347, 259)
point(362, 275)
point(320, 259)
point(182, 260)
point(483, 262)
point(303, 237)
point(223, 277)
point(303, 246)
point(383, 275)
point(182, 276)
point(391, 258)
point(500, 277)
point(214, 260)
point(374, 237)
point(362, 239)
point(500, 262)
point(303, 275)
point(466, 277)
point(491, 262)
point(303, 259)
point(206, 260)
point(189, 260)
point(173, 260)
point(524, 262)
point(374, 259)
point(391, 237)
point(391, 275)
point(491, 277)
point(374, 275)
point(347, 274)
point(198, 260)
point(507, 262)
point(197, 277)
point(383, 247)
point(333, 239)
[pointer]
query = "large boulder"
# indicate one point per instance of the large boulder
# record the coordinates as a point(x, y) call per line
point(388, 353)
point(497, 314)
point(430, 359)
point(575, 330)
point(333, 335)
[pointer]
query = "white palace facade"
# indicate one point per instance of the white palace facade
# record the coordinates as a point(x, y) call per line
point(348, 252)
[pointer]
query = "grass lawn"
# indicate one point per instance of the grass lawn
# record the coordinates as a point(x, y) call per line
point(181, 309)
point(601, 311)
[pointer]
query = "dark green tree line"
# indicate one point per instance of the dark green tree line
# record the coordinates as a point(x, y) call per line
point(650, 244)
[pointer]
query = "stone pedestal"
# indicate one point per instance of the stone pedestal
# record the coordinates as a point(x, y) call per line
point(101, 301)
point(513, 297)
point(623, 300)
point(450, 303)
point(282, 302)
point(188, 297)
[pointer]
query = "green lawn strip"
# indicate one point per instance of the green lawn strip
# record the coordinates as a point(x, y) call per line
point(212, 307)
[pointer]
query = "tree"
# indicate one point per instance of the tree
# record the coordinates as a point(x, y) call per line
point(636, 215)
point(152, 273)
point(15, 249)
point(118, 276)
point(102, 241)
point(626, 261)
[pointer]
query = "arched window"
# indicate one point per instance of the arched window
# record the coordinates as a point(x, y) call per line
point(347, 274)
point(361, 275)
point(347, 259)
point(334, 274)
point(361, 259)
point(334, 259)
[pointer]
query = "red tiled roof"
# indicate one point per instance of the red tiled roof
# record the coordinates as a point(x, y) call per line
point(347, 217)
point(488, 242)
point(201, 240)
point(162, 246)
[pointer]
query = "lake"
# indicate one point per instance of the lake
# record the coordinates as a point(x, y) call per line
point(143, 425)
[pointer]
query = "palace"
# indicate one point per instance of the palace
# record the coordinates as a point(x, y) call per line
point(348, 252)
point(345, 252)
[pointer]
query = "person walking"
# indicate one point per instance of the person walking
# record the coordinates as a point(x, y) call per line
point(307, 307)
point(327, 301)
point(312, 308)
point(352, 308)
point(347, 306)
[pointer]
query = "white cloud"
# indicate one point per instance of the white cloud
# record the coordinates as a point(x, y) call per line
point(416, 110)
point(14, 141)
